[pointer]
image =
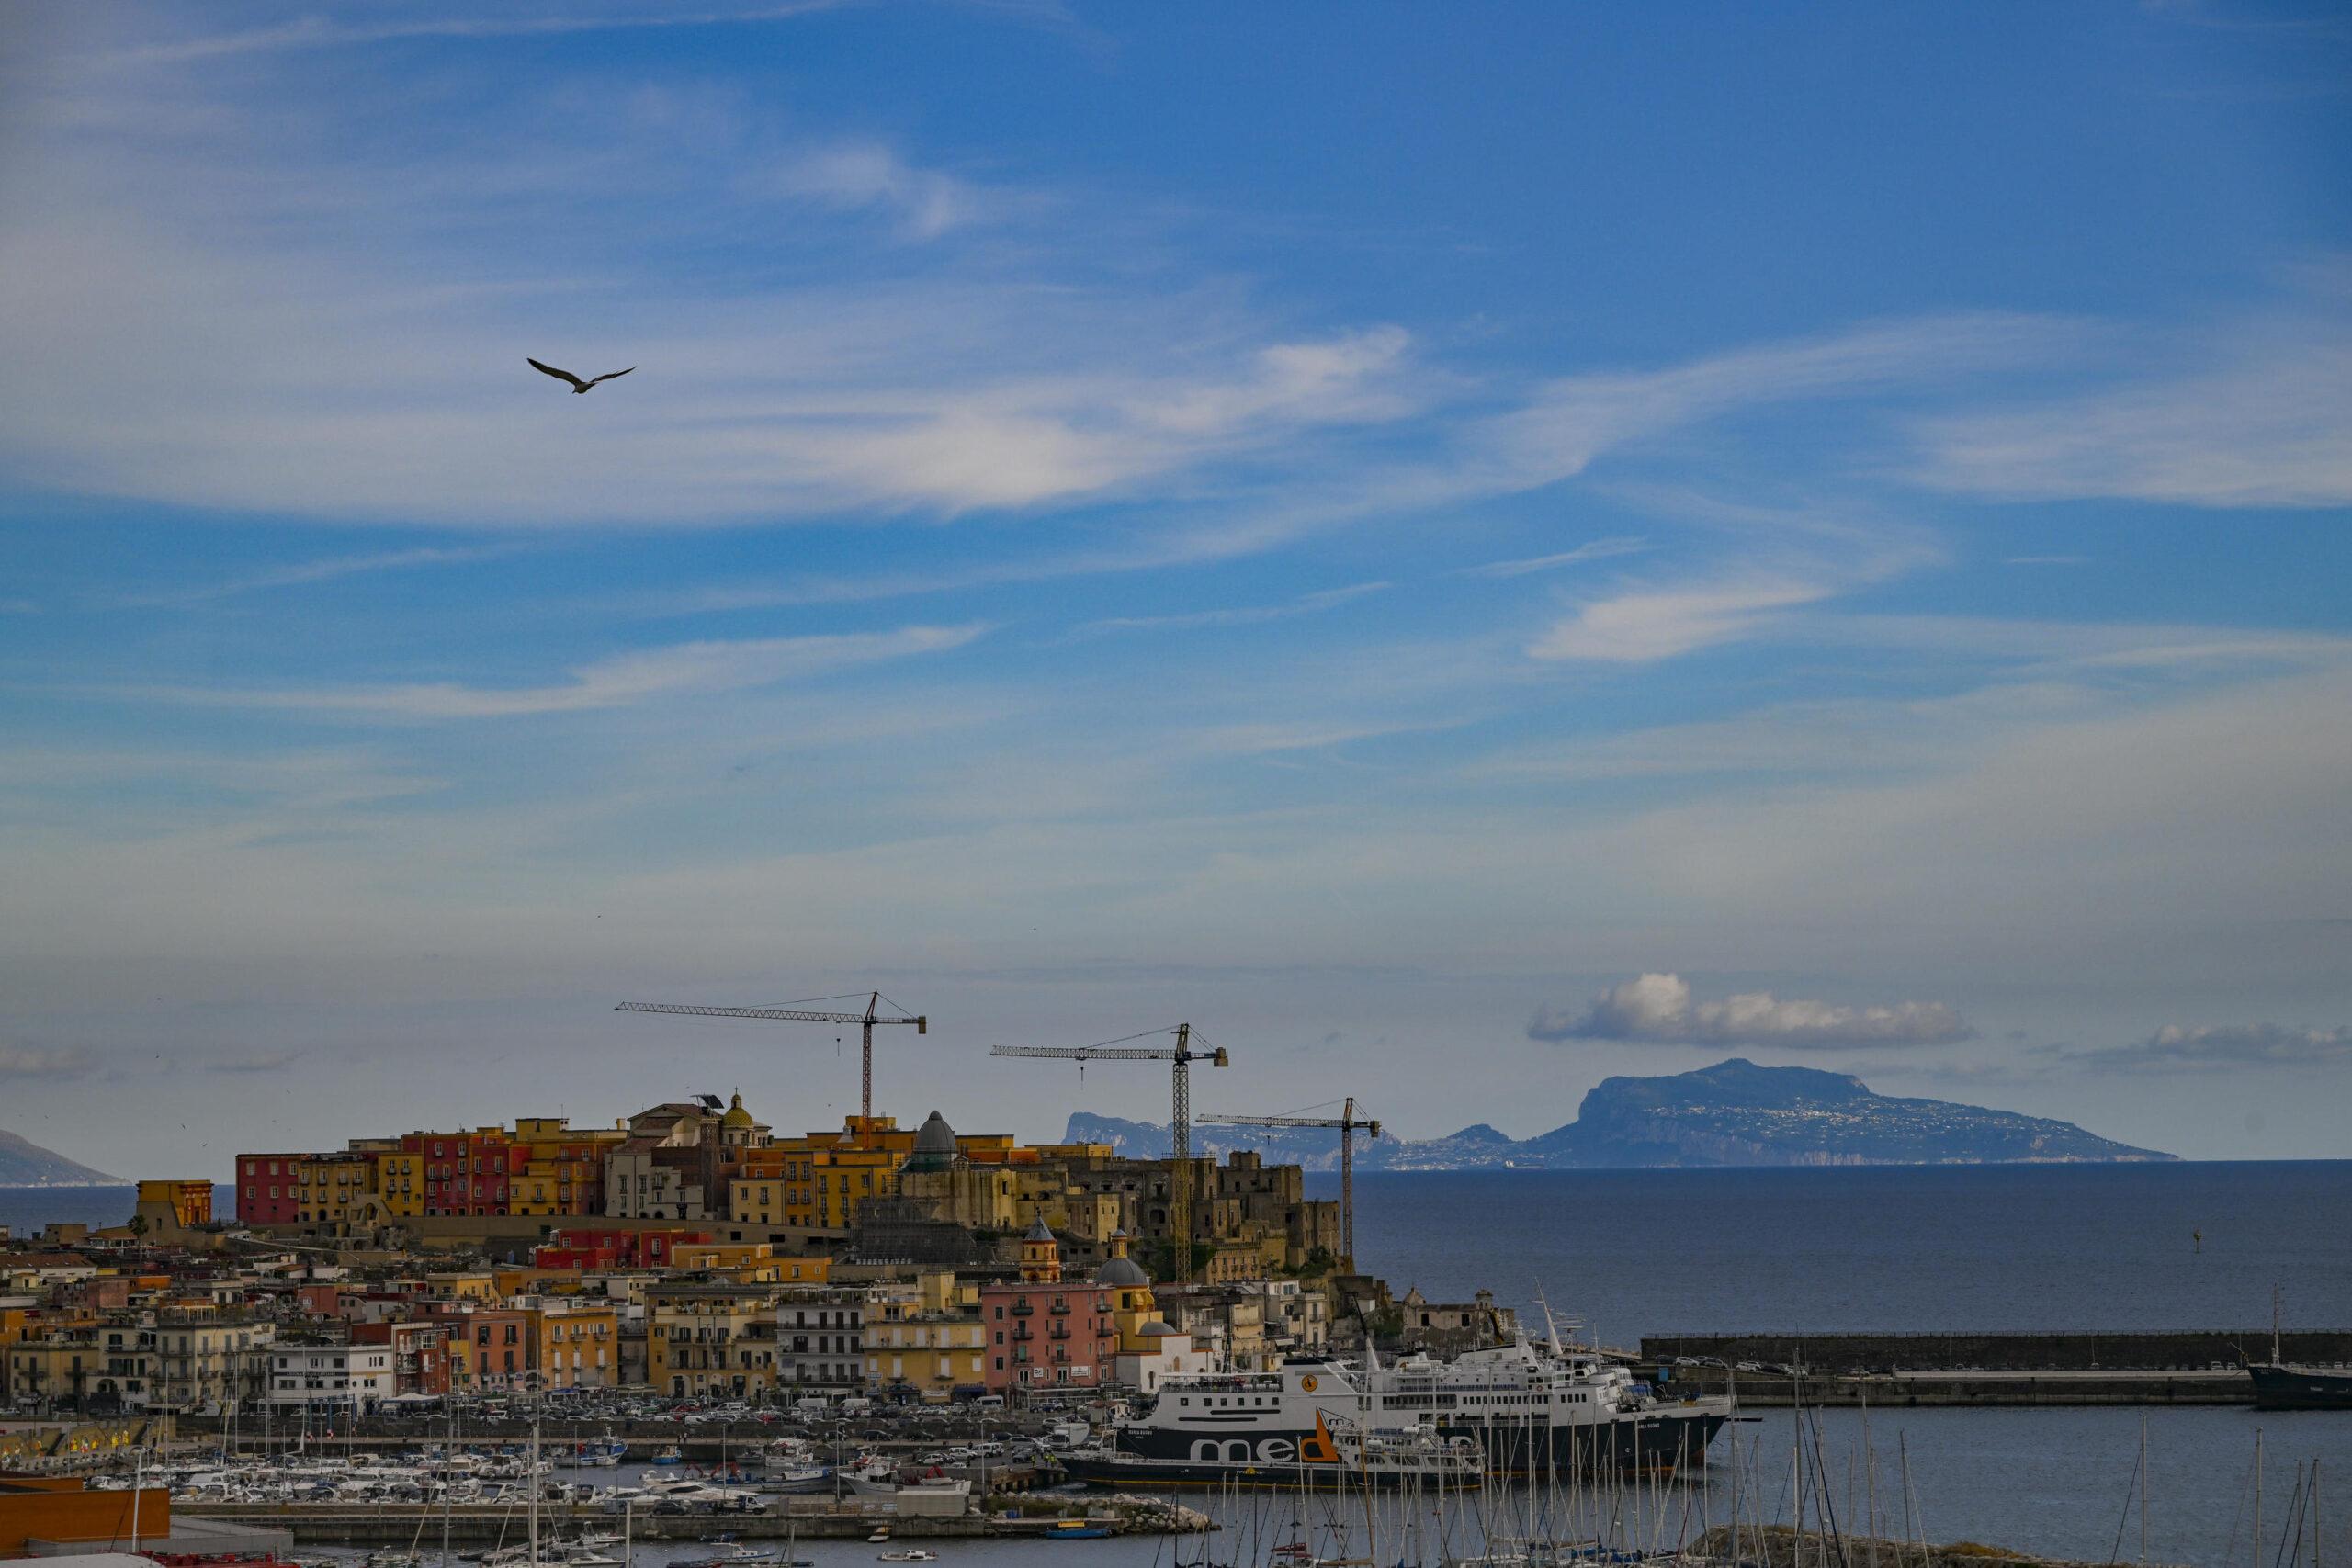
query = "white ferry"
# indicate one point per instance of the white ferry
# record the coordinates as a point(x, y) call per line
point(1529, 1409)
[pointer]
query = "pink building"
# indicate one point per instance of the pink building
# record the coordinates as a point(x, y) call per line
point(1044, 1331)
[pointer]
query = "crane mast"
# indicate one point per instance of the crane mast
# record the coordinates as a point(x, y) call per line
point(1180, 1131)
point(868, 1019)
point(1348, 1125)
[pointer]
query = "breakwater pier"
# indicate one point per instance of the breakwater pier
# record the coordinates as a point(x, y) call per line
point(2204, 1367)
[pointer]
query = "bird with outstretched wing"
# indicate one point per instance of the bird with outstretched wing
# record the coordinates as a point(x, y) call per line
point(577, 384)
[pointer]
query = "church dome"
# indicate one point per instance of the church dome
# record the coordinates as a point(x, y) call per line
point(935, 1144)
point(1119, 1270)
point(737, 1118)
point(1160, 1328)
point(1040, 1230)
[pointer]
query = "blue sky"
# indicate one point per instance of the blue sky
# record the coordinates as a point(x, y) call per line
point(1462, 549)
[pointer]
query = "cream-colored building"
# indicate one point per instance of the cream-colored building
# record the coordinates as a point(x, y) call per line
point(926, 1336)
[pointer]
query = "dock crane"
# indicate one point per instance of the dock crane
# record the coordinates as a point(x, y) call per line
point(869, 1018)
point(1180, 1129)
point(1348, 1125)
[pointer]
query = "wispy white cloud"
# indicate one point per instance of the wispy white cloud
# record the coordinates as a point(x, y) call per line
point(2267, 424)
point(680, 669)
point(1599, 550)
point(1233, 615)
point(255, 1062)
point(1575, 419)
point(314, 31)
point(2221, 1047)
point(302, 573)
point(1659, 1008)
point(1642, 627)
point(925, 203)
point(26, 1061)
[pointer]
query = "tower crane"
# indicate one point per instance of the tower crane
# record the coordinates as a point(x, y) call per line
point(1180, 1129)
point(869, 1018)
point(1348, 1125)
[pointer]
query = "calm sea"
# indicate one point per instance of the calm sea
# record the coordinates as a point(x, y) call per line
point(24, 1210)
point(2018, 1248)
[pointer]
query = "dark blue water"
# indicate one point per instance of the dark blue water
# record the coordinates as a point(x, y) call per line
point(1989, 1247)
point(24, 1210)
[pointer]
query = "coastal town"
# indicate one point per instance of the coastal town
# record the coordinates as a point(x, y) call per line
point(690, 1250)
point(686, 1267)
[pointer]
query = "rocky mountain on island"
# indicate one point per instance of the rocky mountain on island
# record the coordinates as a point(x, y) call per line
point(1734, 1113)
point(26, 1164)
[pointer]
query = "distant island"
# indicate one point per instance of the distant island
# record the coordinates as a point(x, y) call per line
point(26, 1164)
point(1734, 1113)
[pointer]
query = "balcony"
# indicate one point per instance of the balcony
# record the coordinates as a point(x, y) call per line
point(1022, 1309)
point(1059, 1309)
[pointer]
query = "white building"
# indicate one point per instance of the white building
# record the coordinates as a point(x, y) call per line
point(355, 1378)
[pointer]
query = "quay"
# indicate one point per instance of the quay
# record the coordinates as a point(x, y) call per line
point(1973, 1369)
point(805, 1518)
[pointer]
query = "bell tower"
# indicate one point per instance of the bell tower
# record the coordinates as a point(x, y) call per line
point(1041, 1255)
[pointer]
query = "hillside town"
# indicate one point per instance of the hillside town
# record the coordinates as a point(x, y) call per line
point(689, 1252)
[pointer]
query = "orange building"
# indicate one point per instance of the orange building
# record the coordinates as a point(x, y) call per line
point(62, 1509)
point(182, 1204)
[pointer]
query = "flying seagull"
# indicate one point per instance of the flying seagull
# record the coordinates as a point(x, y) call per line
point(577, 384)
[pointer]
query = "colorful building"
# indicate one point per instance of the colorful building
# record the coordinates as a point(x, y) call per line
point(267, 1187)
point(326, 1187)
point(705, 1338)
point(613, 1249)
point(926, 1338)
point(182, 1204)
point(1043, 1330)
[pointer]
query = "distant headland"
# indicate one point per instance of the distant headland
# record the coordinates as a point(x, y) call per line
point(26, 1164)
point(1734, 1113)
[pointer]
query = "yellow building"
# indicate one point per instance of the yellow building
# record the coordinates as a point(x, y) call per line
point(563, 1169)
point(758, 1200)
point(400, 1182)
point(184, 1204)
point(711, 1338)
point(927, 1336)
point(576, 1343)
point(1129, 1287)
point(328, 1186)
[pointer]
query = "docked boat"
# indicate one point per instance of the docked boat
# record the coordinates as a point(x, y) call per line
point(1334, 1457)
point(2284, 1385)
point(1530, 1409)
point(930, 1491)
point(2281, 1384)
point(792, 1465)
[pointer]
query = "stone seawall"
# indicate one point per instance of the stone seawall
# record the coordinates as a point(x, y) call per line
point(1847, 1353)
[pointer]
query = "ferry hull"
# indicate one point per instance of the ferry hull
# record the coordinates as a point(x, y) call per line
point(2301, 1388)
point(1658, 1439)
point(1171, 1475)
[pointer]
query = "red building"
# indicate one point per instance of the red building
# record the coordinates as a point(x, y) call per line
point(420, 1353)
point(1045, 1330)
point(468, 1173)
point(265, 1189)
point(613, 1249)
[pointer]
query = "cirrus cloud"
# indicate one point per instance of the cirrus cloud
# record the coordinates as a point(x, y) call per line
point(1661, 1009)
point(2177, 1048)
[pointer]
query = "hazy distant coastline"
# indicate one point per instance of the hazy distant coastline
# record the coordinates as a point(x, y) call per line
point(1731, 1114)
